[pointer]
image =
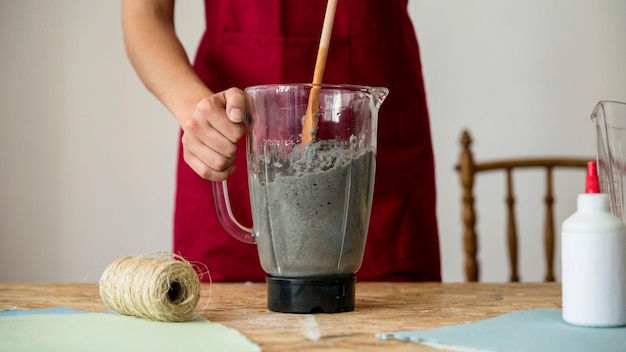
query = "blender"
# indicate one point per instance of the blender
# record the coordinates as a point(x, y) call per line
point(310, 201)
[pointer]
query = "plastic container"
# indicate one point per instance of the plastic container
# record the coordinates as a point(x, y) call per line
point(593, 259)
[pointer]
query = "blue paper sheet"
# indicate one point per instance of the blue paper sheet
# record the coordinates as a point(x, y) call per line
point(535, 330)
point(13, 312)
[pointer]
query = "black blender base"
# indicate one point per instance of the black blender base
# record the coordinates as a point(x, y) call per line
point(311, 295)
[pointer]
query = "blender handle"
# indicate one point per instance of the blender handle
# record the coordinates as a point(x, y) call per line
point(225, 214)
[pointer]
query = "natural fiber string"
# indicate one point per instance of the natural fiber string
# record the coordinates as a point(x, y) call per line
point(157, 286)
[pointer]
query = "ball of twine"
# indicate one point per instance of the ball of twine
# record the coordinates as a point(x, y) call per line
point(161, 287)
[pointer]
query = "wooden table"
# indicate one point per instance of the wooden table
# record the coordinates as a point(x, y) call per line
point(380, 307)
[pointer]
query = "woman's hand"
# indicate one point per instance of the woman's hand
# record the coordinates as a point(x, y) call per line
point(211, 133)
point(211, 122)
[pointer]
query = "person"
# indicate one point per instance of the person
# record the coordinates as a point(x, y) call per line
point(252, 42)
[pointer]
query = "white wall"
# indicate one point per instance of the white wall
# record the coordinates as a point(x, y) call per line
point(87, 155)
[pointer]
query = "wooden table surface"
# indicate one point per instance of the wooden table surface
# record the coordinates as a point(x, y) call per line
point(380, 307)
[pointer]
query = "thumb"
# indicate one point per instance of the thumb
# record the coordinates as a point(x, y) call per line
point(235, 104)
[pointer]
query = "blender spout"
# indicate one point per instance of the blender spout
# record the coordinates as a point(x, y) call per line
point(378, 95)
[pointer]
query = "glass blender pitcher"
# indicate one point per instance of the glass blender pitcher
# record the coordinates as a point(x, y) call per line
point(310, 203)
point(610, 120)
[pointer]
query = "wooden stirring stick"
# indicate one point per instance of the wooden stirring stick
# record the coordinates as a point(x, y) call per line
point(309, 128)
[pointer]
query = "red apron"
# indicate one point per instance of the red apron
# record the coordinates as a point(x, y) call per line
point(251, 42)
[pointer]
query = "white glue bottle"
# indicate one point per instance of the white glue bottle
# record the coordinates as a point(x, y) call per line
point(593, 261)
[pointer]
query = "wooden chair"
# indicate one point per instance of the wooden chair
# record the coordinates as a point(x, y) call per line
point(468, 170)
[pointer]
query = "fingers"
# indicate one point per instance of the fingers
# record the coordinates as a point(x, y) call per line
point(208, 162)
point(211, 134)
point(217, 170)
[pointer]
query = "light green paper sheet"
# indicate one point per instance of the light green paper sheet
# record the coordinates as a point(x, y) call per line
point(114, 332)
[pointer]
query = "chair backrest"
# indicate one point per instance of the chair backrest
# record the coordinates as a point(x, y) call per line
point(468, 169)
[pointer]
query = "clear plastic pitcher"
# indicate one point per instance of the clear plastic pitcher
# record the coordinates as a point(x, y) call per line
point(610, 120)
point(310, 203)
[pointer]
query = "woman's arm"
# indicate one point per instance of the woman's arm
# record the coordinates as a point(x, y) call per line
point(210, 122)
